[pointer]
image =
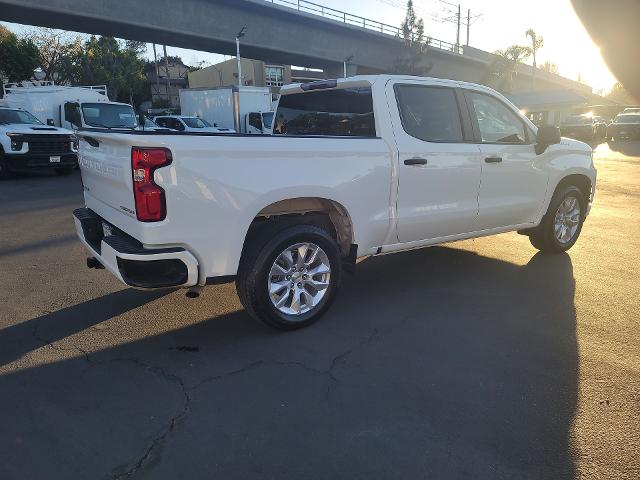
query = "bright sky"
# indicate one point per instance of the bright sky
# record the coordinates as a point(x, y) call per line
point(501, 23)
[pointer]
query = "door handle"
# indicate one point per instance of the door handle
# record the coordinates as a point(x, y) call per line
point(493, 160)
point(416, 161)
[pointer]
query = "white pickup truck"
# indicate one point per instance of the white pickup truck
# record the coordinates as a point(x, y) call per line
point(356, 167)
point(26, 144)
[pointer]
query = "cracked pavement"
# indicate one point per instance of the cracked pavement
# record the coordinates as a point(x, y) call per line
point(479, 359)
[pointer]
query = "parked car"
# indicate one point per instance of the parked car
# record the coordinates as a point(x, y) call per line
point(580, 127)
point(182, 123)
point(601, 127)
point(625, 126)
point(27, 144)
point(356, 167)
point(147, 124)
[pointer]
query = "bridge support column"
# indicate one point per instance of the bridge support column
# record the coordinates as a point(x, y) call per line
point(337, 71)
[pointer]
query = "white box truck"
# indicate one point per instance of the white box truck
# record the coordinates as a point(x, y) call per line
point(71, 107)
point(243, 109)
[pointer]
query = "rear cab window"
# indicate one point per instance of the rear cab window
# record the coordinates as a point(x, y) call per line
point(342, 112)
point(430, 113)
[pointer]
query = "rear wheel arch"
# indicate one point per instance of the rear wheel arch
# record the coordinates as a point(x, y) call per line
point(319, 211)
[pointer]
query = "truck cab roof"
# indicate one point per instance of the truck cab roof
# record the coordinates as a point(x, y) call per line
point(367, 80)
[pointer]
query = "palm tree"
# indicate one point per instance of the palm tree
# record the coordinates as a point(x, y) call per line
point(537, 43)
point(503, 70)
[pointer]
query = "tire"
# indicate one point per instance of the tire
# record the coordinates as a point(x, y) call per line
point(545, 237)
point(63, 171)
point(268, 245)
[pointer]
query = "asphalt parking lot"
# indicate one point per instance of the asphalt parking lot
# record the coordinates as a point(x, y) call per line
point(480, 359)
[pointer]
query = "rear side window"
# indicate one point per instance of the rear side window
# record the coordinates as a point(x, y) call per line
point(342, 112)
point(430, 113)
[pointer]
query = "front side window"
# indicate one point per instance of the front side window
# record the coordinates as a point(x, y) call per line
point(429, 113)
point(72, 114)
point(340, 112)
point(176, 124)
point(267, 119)
point(8, 116)
point(497, 122)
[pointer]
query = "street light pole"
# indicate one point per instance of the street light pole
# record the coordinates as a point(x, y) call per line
point(236, 95)
point(240, 34)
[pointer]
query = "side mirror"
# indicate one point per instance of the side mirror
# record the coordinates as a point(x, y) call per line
point(547, 135)
point(50, 122)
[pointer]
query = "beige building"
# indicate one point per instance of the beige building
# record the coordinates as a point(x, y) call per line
point(255, 73)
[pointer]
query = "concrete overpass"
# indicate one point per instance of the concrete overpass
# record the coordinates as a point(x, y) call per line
point(275, 33)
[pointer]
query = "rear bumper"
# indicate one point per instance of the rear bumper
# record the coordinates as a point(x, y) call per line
point(31, 161)
point(130, 261)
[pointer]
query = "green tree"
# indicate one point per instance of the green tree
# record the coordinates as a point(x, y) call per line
point(550, 67)
point(503, 70)
point(414, 61)
point(117, 64)
point(621, 95)
point(57, 52)
point(18, 57)
point(412, 27)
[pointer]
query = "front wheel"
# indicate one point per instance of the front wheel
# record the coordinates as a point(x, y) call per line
point(289, 279)
point(562, 224)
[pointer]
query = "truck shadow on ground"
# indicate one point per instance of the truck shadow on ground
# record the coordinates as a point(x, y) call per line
point(437, 363)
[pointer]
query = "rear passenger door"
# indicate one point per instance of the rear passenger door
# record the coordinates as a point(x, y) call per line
point(439, 165)
point(513, 182)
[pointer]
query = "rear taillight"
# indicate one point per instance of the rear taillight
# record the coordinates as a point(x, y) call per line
point(149, 197)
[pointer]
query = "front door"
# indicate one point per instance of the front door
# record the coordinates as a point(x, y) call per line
point(439, 165)
point(513, 183)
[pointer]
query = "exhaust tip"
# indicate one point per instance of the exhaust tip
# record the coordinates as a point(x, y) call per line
point(193, 292)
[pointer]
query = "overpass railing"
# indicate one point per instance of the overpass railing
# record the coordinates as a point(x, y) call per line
point(358, 21)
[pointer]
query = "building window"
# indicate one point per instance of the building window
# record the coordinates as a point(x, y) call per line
point(273, 76)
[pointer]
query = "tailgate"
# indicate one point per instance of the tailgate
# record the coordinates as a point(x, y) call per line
point(105, 163)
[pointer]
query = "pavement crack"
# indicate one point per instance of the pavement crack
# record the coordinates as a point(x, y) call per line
point(54, 345)
point(220, 376)
point(159, 439)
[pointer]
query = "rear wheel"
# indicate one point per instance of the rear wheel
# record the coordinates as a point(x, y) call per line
point(562, 224)
point(289, 278)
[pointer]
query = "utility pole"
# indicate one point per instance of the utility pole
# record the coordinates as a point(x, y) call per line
point(155, 59)
point(166, 67)
point(468, 24)
point(459, 18)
